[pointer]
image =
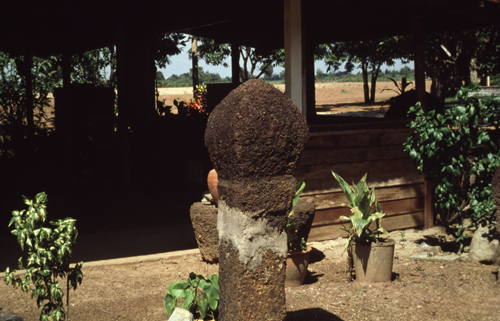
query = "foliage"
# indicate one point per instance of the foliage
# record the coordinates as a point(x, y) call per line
point(253, 65)
point(452, 55)
point(167, 45)
point(291, 228)
point(186, 79)
point(361, 200)
point(400, 88)
point(371, 54)
point(93, 66)
point(48, 252)
point(200, 295)
point(459, 157)
point(194, 106)
point(13, 108)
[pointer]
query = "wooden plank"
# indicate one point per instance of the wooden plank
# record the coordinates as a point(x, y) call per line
point(373, 167)
point(330, 216)
point(399, 222)
point(333, 156)
point(318, 129)
point(346, 139)
point(331, 200)
point(329, 185)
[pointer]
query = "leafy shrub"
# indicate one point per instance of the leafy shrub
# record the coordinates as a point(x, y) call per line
point(200, 295)
point(459, 156)
point(48, 253)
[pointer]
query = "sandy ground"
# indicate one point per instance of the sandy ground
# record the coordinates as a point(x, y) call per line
point(134, 289)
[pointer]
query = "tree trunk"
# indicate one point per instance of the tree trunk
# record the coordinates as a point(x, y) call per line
point(375, 72)
point(366, 90)
point(437, 89)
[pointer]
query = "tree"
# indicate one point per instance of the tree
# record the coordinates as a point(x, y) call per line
point(251, 64)
point(159, 75)
point(15, 107)
point(369, 54)
point(454, 59)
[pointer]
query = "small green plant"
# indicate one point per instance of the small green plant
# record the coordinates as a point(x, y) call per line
point(48, 252)
point(459, 156)
point(200, 295)
point(361, 200)
point(291, 228)
point(402, 234)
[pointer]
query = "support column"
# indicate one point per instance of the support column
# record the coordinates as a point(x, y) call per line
point(235, 63)
point(136, 91)
point(255, 157)
point(136, 76)
point(422, 97)
point(194, 58)
point(295, 55)
point(28, 63)
point(420, 62)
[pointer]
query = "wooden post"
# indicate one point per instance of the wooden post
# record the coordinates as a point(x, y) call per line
point(295, 55)
point(235, 63)
point(420, 62)
point(194, 58)
point(28, 76)
point(422, 97)
point(136, 89)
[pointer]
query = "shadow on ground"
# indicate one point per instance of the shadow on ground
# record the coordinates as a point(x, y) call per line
point(311, 315)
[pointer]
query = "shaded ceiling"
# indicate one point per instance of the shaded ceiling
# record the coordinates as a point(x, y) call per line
point(58, 26)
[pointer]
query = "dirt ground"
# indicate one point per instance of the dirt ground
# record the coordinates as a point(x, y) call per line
point(460, 290)
point(133, 289)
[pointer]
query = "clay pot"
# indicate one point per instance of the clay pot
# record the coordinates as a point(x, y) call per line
point(296, 267)
point(212, 182)
point(373, 262)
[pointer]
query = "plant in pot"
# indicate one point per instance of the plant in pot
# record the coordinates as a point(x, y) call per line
point(298, 252)
point(368, 255)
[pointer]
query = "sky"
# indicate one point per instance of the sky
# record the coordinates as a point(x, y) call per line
point(180, 64)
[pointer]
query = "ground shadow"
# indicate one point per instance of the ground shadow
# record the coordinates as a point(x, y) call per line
point(316, 255)
point(446, 246)
point(311, 315)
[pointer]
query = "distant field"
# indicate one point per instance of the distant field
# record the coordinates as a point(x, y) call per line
point(331, 93)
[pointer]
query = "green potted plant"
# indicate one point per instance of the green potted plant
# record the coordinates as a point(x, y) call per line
point(297, 259)
point(369, 255)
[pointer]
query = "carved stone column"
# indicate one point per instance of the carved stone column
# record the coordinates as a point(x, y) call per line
point(255, 137)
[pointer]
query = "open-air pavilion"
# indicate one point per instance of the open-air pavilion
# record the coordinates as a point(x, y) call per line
point(67, 27)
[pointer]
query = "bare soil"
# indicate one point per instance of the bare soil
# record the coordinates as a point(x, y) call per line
point(134, 289)
point(331, 97)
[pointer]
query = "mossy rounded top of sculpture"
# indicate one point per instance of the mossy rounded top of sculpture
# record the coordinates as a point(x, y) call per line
point(256, 131)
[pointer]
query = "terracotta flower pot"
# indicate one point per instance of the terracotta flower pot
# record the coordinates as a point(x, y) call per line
point(212, 182)
point(373, 262)
point(296, 267)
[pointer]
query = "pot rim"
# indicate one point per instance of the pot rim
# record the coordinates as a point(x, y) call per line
point(381, 242)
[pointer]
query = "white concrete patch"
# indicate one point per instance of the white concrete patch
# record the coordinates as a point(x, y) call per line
point(251, 237)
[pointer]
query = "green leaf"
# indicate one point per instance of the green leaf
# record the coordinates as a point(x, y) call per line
point(346, 189)
point(177, 289)
point(191, 294)
point(203, 307)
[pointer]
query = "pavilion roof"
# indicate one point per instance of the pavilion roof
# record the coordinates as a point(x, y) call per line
point(57, 26)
